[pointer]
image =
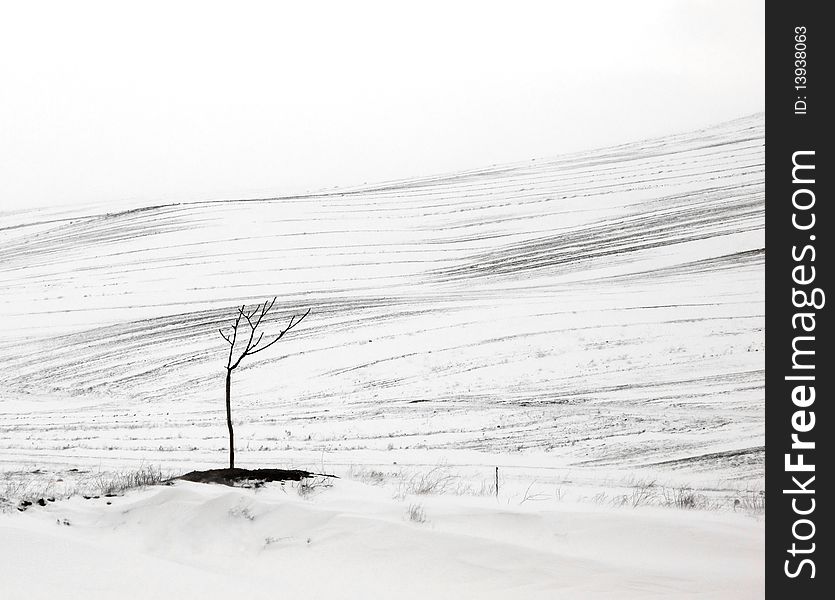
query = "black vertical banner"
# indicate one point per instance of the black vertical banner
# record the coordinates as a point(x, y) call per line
point(799, 372)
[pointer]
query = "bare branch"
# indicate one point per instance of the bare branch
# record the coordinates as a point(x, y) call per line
point(251, 352)
point(254, 318)
point(289, 327)
point(234, 338)
point(245, 315)
point(261, 310)
point(293, 323)
point(249, 341)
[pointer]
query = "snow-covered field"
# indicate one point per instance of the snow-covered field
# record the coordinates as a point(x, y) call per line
point(587, 323)
point(355, 541)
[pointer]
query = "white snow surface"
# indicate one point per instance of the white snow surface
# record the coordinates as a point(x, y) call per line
point(353, 541)
point(585, 323)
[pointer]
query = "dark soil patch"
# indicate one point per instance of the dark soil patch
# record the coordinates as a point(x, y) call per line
point(238, 476)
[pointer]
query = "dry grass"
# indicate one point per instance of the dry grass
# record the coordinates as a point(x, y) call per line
point(416, 513)
point(533, 496)
point(750, 501)
point(644, 492)
point(310, 486)
point(368, 475)
point(119, 482)
point(438, 480)
point(17, 487)
point(441, 480)
point(684, 497)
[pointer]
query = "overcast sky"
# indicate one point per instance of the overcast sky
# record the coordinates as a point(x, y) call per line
point(151, 102)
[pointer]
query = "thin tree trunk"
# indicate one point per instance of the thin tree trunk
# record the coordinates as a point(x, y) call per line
point(229, 419)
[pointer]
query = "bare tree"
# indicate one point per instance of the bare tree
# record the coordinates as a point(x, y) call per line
point(253, 318)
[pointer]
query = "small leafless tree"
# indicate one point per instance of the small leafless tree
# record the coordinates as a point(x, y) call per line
point(253, 318)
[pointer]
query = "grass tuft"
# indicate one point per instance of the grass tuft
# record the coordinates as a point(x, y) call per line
point(120, 482)
point(310, 486)
point(416, 513)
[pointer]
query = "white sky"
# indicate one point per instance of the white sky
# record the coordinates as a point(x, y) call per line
point(150, 102)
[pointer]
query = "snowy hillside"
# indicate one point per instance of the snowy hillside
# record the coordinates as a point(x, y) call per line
point(600, 312)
